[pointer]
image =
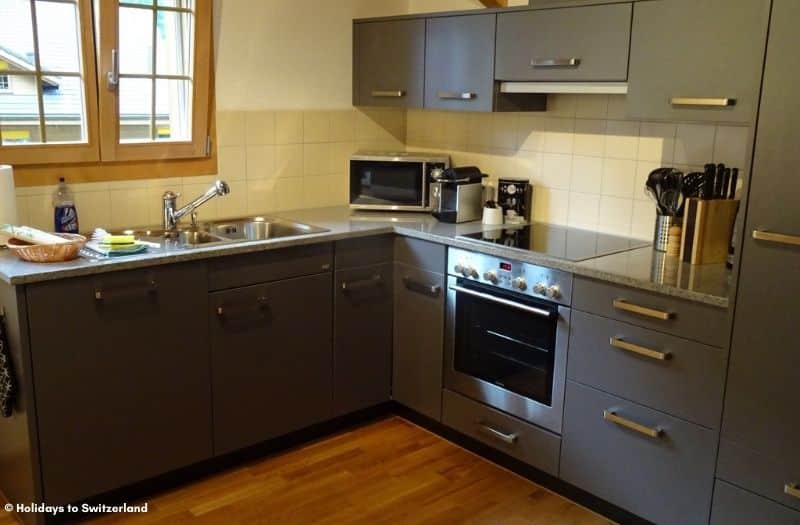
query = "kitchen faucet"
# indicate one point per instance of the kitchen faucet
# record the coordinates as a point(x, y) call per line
point(172, 216)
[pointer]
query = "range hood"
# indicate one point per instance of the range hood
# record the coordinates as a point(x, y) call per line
point(589, 88)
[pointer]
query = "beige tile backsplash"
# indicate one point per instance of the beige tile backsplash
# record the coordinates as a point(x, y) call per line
point(587, 161)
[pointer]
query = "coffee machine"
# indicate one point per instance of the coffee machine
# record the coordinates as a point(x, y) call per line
point(514, 196)
point(457, 195)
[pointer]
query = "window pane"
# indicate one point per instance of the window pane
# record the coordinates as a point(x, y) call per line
point(16, 35)
point(174, 43)
point(135, 40)
point(19, 111)
point(137, 2)
point(185, 4)
point(63, 109)
point(135, 108)
point(57, 25)
point(173, 110)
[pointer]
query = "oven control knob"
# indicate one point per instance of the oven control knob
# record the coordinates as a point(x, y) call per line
point(540, 288)
point(491, 277)
point(519, 283)
point(553, 292)
point(472, 272)
point(459, 268)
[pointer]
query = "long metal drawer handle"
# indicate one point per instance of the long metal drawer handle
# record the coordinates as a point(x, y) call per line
point(149, 288)
point(622, 304)
point(261, 302)
point(508, 439)
point(375, 280)
point(792, 489)
point(555, 62)
point(780, 238)
point(610, 415)
point(378, 93)
point(425, 289)
point(452, 95)
point(699, 101)
point(524, 307)
point(616, 342)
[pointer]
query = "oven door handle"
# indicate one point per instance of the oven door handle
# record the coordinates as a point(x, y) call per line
point(541, 312)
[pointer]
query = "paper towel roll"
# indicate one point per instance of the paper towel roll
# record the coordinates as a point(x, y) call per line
point(8, 198)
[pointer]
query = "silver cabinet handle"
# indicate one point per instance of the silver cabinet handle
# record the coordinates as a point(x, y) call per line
point(499, 300)
point(452, 95)
point(792, 489)
point(700, 101)
point(127, 291)
point(399, 93)
point(425, 289)
point(508, 439)
point(112, 77)
point(610, 415)
point(622, 304)
point(780, 238)
point(555, 62)
point(375, 280)
point(616, 342)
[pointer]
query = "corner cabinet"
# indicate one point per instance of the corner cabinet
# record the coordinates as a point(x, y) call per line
point(389, 63)
point(697, 60)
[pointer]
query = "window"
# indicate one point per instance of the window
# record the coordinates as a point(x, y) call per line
point(133, 85)
point(5, 83)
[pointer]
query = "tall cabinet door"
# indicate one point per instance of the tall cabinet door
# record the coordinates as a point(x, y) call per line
point(761, 423)
point(459, 62)
point(389, 63)
point(689, 56)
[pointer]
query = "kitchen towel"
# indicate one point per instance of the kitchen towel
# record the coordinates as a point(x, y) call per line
point(7, 384)
point(8, 198)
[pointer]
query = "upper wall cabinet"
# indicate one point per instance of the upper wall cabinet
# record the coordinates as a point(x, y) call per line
point(389, 63)
point(459, 62)
point(697, 59)
point(571, 44)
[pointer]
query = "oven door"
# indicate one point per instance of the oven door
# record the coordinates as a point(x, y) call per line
point(388, 185)
point(507, 350)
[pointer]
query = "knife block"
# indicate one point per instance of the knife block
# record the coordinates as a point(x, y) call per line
point(707, 230)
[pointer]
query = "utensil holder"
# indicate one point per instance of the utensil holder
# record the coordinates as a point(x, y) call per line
point(661, 233)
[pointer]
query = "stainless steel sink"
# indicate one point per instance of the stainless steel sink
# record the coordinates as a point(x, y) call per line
point(192, 237)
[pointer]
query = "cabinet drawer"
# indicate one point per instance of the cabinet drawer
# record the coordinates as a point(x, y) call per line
point(578, 43)
point(680, 377)
point(272, 265)
point(695, 321)
point(421, 254)
point(766, 475)
point(734, 506)
point(665, 478)
point(534, 446)
point(365, 251)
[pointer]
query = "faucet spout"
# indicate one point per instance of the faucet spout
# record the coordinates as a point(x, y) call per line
point(172, 216)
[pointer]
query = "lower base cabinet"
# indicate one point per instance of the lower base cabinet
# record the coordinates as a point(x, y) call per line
point(653, 465)
point(735, 506)
point(271, 359)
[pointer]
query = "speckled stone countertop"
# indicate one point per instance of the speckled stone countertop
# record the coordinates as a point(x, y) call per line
point(640, 268)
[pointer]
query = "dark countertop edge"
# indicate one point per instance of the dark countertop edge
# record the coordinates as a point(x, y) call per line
point(212, 252)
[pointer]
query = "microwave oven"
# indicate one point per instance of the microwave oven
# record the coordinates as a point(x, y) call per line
point(394, 181)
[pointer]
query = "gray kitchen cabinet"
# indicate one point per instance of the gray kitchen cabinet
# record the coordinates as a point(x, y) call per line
point(459, 62)
point(758, 449)
point(697, 59)
point(418, 339)
point(656, 466)
point(271, 359)
point(362, 351)
point(587, 43)
point(123, 389)
point(389, 63)
point(735, 506)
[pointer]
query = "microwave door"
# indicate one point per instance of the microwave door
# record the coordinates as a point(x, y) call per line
point(387, 184)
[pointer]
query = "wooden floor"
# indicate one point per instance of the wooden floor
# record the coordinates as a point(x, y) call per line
point(387, 472)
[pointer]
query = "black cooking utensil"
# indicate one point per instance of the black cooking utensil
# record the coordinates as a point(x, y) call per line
point(734, 182)
point(655, 186)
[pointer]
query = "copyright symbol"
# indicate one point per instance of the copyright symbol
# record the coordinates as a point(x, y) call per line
point(9, 507)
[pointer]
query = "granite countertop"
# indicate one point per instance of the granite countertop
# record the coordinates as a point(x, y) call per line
point(640, 268)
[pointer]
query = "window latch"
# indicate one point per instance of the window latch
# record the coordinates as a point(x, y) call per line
point(112, 76)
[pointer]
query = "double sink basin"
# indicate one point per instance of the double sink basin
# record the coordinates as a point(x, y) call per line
point(227, 231)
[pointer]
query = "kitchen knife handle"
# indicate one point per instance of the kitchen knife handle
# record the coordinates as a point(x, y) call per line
point(734, 182)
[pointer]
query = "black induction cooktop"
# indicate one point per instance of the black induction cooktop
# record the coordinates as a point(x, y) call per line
point(560, 242)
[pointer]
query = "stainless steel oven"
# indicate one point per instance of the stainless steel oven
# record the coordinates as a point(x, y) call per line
point(393, 181)
point(507, 334)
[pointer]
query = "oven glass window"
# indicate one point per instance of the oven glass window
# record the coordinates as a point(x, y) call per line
point(506, 346)
point(386, 183)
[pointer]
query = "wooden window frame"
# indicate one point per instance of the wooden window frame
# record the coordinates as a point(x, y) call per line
point(59, 153)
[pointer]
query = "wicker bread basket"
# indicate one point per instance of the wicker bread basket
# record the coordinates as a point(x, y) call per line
point(48, 252)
